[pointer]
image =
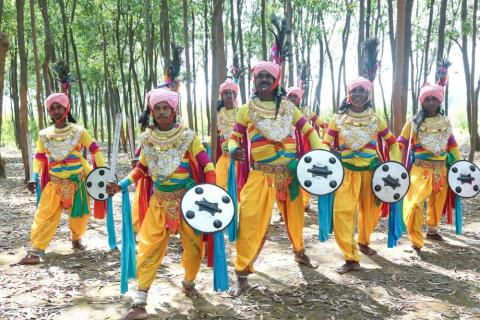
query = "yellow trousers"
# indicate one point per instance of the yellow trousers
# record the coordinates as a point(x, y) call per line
point(221, 171)
point(421, 190)
point(153, 245)
point(136, 208)
point(355, 194)
point(255, 211)
point(305, 198)
point(48, 217)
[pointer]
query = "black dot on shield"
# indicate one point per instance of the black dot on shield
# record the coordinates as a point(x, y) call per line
point(308, 183)
point(101, 196)
point(404, 175)
point(217, 224)
point(225, 199)
point(198, 190)
point(458, 189)
point(101, 184)
point(475, 188)
point(332, 160)
point(378, 187)
point(472, 167)
point(101, 172)
point(396, 196)
point(190, 214)
point(89, 184)
point(454, 169)
point(385, 168)
point(332, 184)
point(308, 159)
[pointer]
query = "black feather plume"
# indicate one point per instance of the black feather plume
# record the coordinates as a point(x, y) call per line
point(63, 75)
point(369, 61)
point(281, 48)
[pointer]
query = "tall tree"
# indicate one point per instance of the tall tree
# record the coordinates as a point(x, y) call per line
point(49, 48)
point(264, 29)
point(38, 78)
point(187, 63)
point(4, 45)
point(22, 52)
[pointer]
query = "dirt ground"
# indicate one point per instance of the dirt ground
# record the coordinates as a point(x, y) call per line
point(391, 285)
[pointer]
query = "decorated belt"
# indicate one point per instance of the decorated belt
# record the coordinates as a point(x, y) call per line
point(170, 195)
point(267, 168)
point(66, 188)
point(430, 164)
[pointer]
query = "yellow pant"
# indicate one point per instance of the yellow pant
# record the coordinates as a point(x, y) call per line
point(153, 244)
point(256, 204)
point(136, 208)
point(48, 216)
point(421, 190)
point(305, 198)
point(221, 171)
point(354, 194)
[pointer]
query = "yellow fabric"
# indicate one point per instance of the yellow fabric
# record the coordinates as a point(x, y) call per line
point(266, 151)
point(48, 216)
point(305, 198)
point(61, 170)
point(153, 244)
point(421, 190)
point(221, 170)
point(135, 207)
point(354, 194)
point(256, 204)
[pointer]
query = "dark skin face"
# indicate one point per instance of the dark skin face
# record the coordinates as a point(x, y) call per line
point(56, 113)
point(163, 116)
point(263, 85)
point(294, 99)
point(359, 98)
point(431, 105)
point(228, 96)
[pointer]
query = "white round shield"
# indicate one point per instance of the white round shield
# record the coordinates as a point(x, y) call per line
point(320, 172)
point(207, 208)
point(464, 179)
point(390, 182)
point(96, 183)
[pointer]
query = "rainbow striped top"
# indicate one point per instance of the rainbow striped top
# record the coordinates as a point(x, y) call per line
point(357, 136)
point(433, 141)
point(263, 149)
point(63, 150)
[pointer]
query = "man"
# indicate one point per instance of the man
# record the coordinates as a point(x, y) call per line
point(429, 135)
point(355, 132)
point(63, 169)
point(267, 121)
point(171, 154)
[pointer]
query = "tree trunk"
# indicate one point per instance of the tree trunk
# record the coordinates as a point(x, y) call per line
point(474, 102)
point(4, 44)
point(205, 59)
point(391, 32)
point(288, 15)
point(66, 53)
point(194, 75)
point(345, 35)
point(14, 95)
point(187, 64)
point(49, 49)
point(38, 79)
point(149, 40)
point(427, 43)
point(264, 30)
point(218, 65)
point(441, 29)
point(330, 60)
point(165, 30)
point(232, 26)
point(361, 34)
point(242, 52)
point(318, 89)
point(23, 128)
point(403, 42)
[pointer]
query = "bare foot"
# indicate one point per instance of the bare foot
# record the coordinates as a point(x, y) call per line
point(238, 287)
point(418, 251)
point(191, 292)
point(305, 260)
point(365, 249)
point(29, 259)
point(349, 266)
point(136, 313)
point(309, 210)
point(78, 246)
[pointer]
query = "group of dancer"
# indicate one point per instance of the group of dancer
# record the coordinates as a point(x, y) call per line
point(263, 140)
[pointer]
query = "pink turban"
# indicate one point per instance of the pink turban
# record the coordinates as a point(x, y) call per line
point(60, 98)
point(271, 67)
point(296, 91)
point(228, 85)
point(431, 91)
point(163, 95)
point(360, 82)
